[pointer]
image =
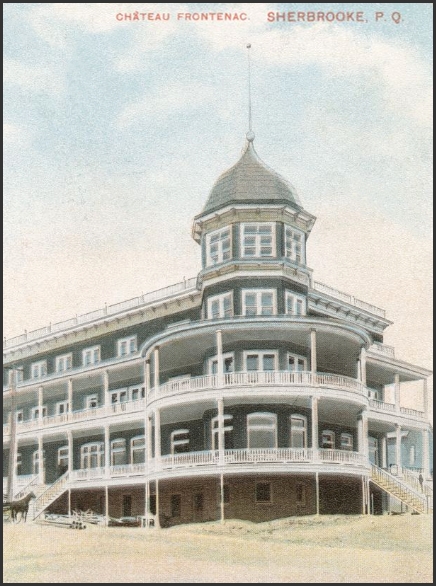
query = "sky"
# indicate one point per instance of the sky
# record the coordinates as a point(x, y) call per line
point(115, 130)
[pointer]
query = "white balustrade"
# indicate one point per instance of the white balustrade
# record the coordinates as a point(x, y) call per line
point(381, 405)
point(341, 457)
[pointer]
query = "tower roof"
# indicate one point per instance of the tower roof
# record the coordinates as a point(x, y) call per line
point(250, 181)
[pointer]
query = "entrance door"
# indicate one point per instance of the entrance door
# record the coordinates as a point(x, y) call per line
point(127, 505)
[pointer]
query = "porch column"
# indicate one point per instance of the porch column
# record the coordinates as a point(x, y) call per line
point(148, 439)
point(157, 520)
point(363, 365)
point(147, 384)
point(313, 364)
point(365, 439)
point(69, 502)
point(105, 376)
point(222, 498)
point(397, 392)
point(70, 451)
point(425, 397)
point(107, 451)
point(317, 492)
point(220, 404)
point(384, 447)
point(106, 504)
point(156, 369)
point(157, 444)
point(40, 404)
point(315, 431)
point(426, 454)
point(41, 467)
point(70, 395)
point(219, 356)
point(398, 460)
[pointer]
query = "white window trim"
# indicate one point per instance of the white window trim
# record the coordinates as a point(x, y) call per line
point(302, 430)
point(209, 260)
point(35, 460)
point(225, 357)
point(178, 442)
point(332, 433)
point(64, 456)
point(64, 358)
point(292, 256)
point(295, 298)
point(19, 415)
point(41, 367)
point(263, 426)
point(91, 350)
point(84, 454)
point(258, 294)
point(296, 357)
point(220, 298)
point(412, 455)
point(270, 502)
point(215, 430)
point(350, 446)
point(18, 463)
point(128, 341)
point(35, 409)
point(58, 406)
point(260, 354)
point(257, 237)
point(120, 449)
point(89, 399)
point(137, 448)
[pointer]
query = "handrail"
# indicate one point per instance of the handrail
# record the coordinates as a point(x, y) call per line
point(25, 490)
point(322, 288)
point(389, 482)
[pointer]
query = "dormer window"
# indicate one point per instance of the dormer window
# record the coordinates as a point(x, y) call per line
point(39, 369)
point(218, 246)
point(64, 362)
point(126, 346)
point(91, 356)
point(294, 249)
point(257, 240)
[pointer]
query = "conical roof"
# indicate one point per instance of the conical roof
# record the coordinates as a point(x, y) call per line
point(250, 180)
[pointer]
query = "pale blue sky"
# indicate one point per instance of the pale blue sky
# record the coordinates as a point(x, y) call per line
point(116, 131)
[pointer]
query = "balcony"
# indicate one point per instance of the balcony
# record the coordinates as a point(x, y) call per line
point(350, 299)
point(238, 380)
point(391, 408)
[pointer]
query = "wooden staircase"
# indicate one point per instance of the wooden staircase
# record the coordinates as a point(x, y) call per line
point(50, 495)
point(417, 501)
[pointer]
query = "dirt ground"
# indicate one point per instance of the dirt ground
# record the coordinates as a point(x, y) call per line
point(382, 549)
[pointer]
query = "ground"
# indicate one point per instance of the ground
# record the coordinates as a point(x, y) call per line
point(381, 549)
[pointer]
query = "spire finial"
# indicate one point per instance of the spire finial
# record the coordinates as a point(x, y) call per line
point(250, 133)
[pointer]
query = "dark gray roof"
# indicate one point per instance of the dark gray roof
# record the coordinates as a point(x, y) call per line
point(250, 181)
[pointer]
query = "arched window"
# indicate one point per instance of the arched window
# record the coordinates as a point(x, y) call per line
point(179, 441)
point(262, 430)
point(137, 449)
point(328, 439)
point(228, 428)
point(92, 455)
point(118, 451)
point(298, 437)
point(35, 461)
point(347, 442)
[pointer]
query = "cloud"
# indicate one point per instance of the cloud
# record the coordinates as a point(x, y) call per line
point(15, 135)
point(33, 78)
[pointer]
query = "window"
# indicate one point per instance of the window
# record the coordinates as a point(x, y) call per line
point(19, 416)
point(19, 464)
point(262, 430)
point(35, 461)
point(35, 412)
point(373, 450)
point(218, 246)
point(63, 458)
point(138, 394)
point(296, 363)
point(347, 442)
point(62, 407)
point(228, 363)
point(294, 249)
point(91, 356)
point(39, 369)
point(263, 492)
point(176, 505)
point(179, 441)
point(259, 302)
point(91, 401)
point(19, 374)
point(260, 360)
point(295, 304)
point(257, 240)
point(64, 362)
point(220, 306)
point(328, 439)
point(126, 346)
point(298, 437)
point(301, 494)
point(120, 396)
point(412, 455)
point(92, 455)
point(137, 449)
point(118, 452)
point(228, 427)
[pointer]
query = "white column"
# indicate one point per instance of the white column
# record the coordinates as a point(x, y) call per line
point(69, 502)
point(147, 384)
point(70, 395)
point(398, 448)
point(220, 403)
point(397, 392)
point(365, 440)
point(148, 439)
point(222, 498)
point(425, 397)
point(315, 431)
point(106, 504)
point(157, 446)
point(426, 454)
point(360, 435)
point(384, 454)
point(106, 400)
point(70, 451)
point(40, 403)
point(363, 496)
point(363, 365)
point(157, 521)
point(41, 467)
point(317, 492)
point(156, 369)
point(219, 356)
point(107, 451)
point(313, 362)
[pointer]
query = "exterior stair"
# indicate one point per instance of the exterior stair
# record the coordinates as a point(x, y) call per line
point(50, 495)
point(399, 489)
point(33, 486)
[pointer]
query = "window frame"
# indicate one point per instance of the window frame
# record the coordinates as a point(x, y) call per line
point(99, 453)
point(131, 343)
point(297, 358)
point(344, 446)
point(214, 359)
point(262, 427)
point(116, 450)
point(261, 355)
point(258, 295)
point(220, 252)
point(34, 410)
point(184, 441)
point(291, 254)
point(35, 461)
point(293, 429)
point(91, 398)
point(296, 299)
point(41, 369)
point(220, 299)
point(63, 457)
point(263, 502)
point(60, 404)
point(215, 430)
point(333, 441)
point(67, 358)
point(257, 240)
point(137, 449)
point(92, 350)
